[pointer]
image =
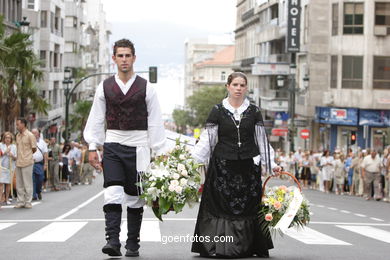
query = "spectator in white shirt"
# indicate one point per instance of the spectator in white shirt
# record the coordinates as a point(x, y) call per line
point(40, 165)
point(371, 172)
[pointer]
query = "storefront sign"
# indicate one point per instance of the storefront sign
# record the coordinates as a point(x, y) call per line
point(270, 69)
point(337, 116)
point(293, 25)
point(374, 117)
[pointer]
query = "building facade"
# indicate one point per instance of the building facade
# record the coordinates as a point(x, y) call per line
point(62, 38)
point(198, 51)
point(343, 54)
point(215, 70)
point(11, 10)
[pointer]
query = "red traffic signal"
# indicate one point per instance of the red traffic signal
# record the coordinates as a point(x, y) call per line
point(353, 137)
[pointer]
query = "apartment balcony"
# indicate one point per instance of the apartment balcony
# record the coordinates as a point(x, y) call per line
point(73, 34)
point(72, 59)
point(76, 10)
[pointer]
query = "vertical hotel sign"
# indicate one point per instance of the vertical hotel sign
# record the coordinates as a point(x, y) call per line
point(293, 25)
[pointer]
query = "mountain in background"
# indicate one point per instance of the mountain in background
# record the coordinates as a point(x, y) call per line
point(157, 44)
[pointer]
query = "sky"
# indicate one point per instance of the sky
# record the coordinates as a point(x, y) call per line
point(159, 28)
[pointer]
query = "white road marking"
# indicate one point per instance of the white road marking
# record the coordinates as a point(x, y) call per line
point(12, 206)
point(313, 237)
point(321, 206)
point(54, 232)
point(70, 212)
point(377, 219)
point(177, 219)
point(6, 225)
point(332, 208)
point(150, 231)
point(360, 215)
point(345, 211)
point(370, 232)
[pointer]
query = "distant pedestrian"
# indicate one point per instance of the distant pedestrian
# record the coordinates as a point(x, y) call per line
point(40, 165)
point(7, 164)
point(54, 157)
point(339, 173)
point(327, 170)
point(26, 146)
point(66, 163)
point(371, 172)
point(86, 169)
point(75, 158)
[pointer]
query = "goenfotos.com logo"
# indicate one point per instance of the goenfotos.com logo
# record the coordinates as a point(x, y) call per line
point(191, 239)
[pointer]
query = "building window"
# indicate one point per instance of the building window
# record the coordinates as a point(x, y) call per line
point(31, 4)
point(56, 86)
point(223, 76)
point(382, 15)
point(352, 72)
point(353, 18)
point(333, 71)
point(274, 11)
point(381, 72)
point(335, 19)
point(43, 19)
point(42, 57)
point(306, 25)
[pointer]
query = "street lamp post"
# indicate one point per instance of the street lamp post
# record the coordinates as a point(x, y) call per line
point(24, 24)
point(292, 91)
point(67, 80)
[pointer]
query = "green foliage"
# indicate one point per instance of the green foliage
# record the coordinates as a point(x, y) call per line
point(80, 115)
point(20, 71)
point(182, 118)
point(202, 101)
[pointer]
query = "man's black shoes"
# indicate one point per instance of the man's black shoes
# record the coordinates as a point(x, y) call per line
point(132, 253)
point(111, 250)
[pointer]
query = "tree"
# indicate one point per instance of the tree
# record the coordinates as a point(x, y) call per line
point(202, 101)
point(80, 114)
point(182, 118)
point(20, 71)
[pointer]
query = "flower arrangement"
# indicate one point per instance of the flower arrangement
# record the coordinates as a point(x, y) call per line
point(171, 181)
point(287, 203)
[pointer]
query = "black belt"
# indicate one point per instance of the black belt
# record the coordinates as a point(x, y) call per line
point(41, 162)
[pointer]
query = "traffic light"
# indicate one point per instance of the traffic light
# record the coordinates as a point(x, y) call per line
point(353, 137)
point(153, 74)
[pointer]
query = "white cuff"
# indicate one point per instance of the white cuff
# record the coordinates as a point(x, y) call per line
point(92, 146)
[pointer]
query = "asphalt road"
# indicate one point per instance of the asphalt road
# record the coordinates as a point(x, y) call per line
point(70, 225)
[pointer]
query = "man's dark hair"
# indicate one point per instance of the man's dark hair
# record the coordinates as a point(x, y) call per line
point(124, 43)
point(23, 120)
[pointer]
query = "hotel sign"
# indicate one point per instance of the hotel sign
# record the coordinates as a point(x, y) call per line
point(293, 25)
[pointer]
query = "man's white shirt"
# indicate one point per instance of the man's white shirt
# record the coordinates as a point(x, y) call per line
point(153, 137)
point(38, 155)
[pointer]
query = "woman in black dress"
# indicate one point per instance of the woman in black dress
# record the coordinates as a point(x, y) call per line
point(231, 197)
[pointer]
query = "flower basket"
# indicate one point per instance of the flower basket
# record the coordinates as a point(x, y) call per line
point(171, 181)
point(283, 207)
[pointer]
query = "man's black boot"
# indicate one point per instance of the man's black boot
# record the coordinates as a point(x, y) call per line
point(113, 215)
point(134, 220)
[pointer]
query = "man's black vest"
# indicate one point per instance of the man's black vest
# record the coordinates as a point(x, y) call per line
point(126, 112)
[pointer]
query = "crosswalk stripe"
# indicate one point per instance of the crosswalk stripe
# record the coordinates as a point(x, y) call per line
point(313, 237)
point(54, 232)
point(370, 232)
point(12, 206)
point(150, 231)
point(6, 225)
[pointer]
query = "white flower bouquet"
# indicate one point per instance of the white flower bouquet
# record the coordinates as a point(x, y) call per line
point(171, 181)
